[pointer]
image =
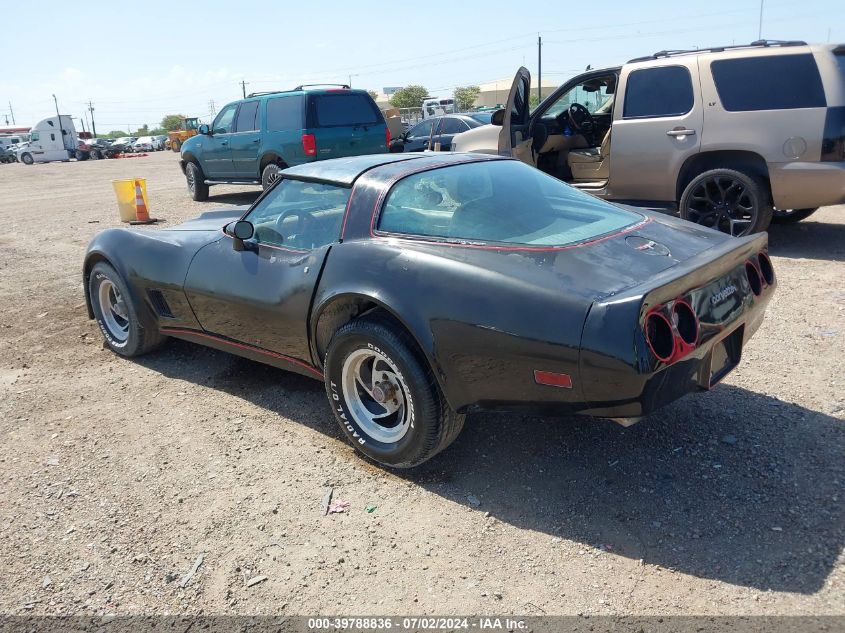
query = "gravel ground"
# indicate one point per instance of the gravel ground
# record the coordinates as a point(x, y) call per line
point(118, 474)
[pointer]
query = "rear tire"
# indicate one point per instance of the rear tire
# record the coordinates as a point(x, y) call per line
point(175, 145)
point(729, 201)
point(270, 175)
point(117, 315)
point(371, 361)
point(196, 182)
point(791, 216)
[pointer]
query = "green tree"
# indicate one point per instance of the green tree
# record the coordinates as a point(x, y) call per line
point(409, 97)
point(533, 100)
point(144, 130)
point(465, 97)
point(373, 94)
point(172, 122)
point(158, 131)
point(116, 134)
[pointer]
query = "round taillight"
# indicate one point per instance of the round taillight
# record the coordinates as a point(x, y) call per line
point(658, 333)
point(754, 279)
point(766, 269)
point(686, 322)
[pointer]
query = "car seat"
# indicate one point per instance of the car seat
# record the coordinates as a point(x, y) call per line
point(591, 163)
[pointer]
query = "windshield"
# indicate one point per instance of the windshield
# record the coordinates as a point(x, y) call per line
point(596, 94)
point(498, 201)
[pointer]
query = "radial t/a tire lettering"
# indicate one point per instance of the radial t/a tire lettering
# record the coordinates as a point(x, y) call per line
point(117, 314)
point(385, 397)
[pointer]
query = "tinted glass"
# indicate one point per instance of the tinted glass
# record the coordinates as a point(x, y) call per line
point(284, 113)
point(453, 126)
point(776, 82)
point(247, 117)
point(223, 122)
point(344, 110)
point(482, 117)
point(423, 129)
point(657, 92)
point(497, 201)
point(300, 215)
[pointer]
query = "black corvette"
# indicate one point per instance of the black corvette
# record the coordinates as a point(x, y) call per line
point(422, 287)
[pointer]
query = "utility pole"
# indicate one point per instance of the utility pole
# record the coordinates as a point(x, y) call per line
point(539, 68)
point(91, 110)
point(243, 87)
point(85, 113)
point(211, 107)
point(12, 112)
point(760, 25)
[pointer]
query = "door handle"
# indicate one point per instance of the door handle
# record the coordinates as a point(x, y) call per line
point(256, 140)
point(680, 133)
point(224, 142)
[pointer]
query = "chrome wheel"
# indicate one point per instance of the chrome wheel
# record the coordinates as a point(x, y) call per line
point(723, 203)
point(113, 309)
point(377, 396)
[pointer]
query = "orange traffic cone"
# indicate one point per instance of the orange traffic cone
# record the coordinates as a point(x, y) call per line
point(142, 216)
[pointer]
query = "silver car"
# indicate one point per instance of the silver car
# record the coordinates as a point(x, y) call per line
point(732, 135)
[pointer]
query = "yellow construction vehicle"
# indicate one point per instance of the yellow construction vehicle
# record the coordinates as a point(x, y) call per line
point(187, 129)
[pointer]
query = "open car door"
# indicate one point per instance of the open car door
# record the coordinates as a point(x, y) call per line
point(515, 122)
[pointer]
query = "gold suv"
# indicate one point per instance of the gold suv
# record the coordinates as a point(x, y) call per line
point(733, 136)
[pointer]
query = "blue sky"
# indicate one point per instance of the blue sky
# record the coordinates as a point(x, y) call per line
point(139, 61)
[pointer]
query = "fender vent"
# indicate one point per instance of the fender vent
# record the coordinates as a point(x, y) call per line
point(160, 303)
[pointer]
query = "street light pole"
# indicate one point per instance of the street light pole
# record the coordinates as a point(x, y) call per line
point(760, 25)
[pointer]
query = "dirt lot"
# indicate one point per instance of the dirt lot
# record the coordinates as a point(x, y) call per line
point(118, 474)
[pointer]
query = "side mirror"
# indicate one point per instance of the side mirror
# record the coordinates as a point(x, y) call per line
point(239, 231)
point(498, 117)
point(204, 129)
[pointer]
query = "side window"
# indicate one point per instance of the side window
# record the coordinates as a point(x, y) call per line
point(247, 117)
point(223, 122)
point(35, 136)
point(658, 92)
point(52, 137)
point(423, 129)
point(453, 126)
point(774, 82)
point(300, 215)
point(284, 113)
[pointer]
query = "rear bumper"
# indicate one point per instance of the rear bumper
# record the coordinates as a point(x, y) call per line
point(621, 374)
point(802, 185)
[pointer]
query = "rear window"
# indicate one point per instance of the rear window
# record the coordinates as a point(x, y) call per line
point(658, 92)
point(497, 201)
point(284, 113)
point(343, 109)
point(774, 82)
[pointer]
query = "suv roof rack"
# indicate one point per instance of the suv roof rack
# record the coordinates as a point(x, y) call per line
point(718, 49)
point(301, 87)
point(261, 94)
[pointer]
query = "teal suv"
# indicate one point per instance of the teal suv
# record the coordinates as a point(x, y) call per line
point(253, 139)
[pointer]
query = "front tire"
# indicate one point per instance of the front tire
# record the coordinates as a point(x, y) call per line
point(196, 182)
point(117, 314)
point(27, 159)
point(791, 216)
point(385, 397)
point(175, 145)
point(729, 201)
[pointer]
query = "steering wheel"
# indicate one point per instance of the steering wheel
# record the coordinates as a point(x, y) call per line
point(304, 219)
point(581, 120)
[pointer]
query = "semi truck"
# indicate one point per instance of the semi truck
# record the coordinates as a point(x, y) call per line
point(51, 139)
